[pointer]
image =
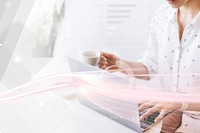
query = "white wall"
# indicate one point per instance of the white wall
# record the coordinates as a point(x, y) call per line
point(119, 26)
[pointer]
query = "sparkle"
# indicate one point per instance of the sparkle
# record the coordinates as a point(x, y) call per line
point(17, 59)
point(40, 104)
point(21, 113)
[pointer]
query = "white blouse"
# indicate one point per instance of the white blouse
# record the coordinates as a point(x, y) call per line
point(176, 62)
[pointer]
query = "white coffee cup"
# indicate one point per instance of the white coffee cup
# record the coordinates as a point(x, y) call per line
point(91, 57)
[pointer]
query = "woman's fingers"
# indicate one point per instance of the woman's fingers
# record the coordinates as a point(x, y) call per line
point(160, 116)
point(107, 60)
point(163, 108)
point(108, 55)
point(103, 58)
point(146, 105)
point(149, 112)
point(104, 64)
point(142, 102)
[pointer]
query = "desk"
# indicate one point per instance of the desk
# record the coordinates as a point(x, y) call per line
point(49, 113)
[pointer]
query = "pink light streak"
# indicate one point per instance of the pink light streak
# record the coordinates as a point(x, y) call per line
point(111, 89)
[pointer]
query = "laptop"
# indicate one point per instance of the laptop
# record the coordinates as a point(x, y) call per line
point(131, 119)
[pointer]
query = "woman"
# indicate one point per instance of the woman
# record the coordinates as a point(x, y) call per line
point(173, 49)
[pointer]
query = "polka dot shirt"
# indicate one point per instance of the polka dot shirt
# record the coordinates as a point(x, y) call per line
point(175, 61)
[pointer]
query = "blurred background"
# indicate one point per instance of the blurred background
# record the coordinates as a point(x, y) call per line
point(40, 30)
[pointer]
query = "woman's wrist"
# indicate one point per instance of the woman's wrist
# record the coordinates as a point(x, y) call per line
point(184, 106)
point(124, 66)
point(181, 106)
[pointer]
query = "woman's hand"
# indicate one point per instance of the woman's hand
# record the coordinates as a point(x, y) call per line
point(162, 107)
point(108, 60)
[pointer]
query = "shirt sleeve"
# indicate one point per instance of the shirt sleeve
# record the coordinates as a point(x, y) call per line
point(150, 57)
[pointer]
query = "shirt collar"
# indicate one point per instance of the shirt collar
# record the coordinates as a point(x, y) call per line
point(196, 21)
point(172, 17)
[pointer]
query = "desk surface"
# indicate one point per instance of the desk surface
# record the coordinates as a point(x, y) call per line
point(50, 113)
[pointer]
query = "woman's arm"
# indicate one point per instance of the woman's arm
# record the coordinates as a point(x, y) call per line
point(138, 69)
point(195, 106)
point(113, 63)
